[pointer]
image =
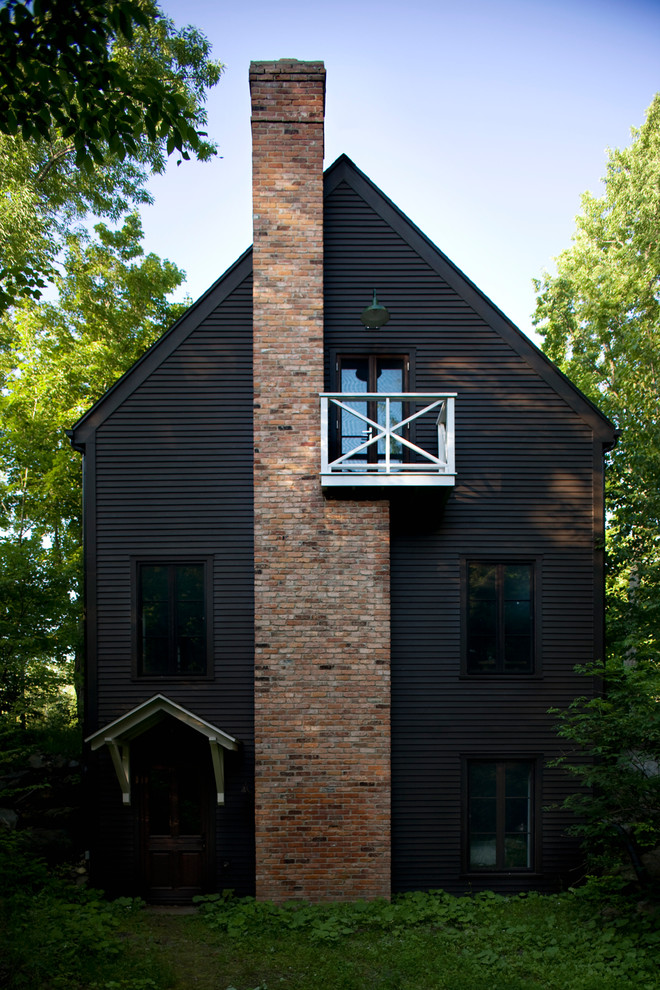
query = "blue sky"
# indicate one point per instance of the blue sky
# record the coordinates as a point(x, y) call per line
point(483, 121)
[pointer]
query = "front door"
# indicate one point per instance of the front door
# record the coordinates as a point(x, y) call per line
point(175, 826)
point(374, 374)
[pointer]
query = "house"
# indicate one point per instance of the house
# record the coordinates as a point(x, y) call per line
point(343, 531)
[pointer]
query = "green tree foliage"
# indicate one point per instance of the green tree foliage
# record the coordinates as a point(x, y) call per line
point(35, 620)
point(64, 354)
point(599, 316)
point(93, 96)
point(620, 731)
point(70, 192)
point(64, 66)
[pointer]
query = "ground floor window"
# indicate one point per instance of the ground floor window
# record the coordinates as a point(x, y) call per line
point(500, 815)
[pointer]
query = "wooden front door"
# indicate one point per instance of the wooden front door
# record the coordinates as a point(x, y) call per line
point(175, 821)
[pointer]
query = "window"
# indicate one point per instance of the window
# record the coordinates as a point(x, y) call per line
point(371, 373)
point(500, 811)
point(500, 618)
point(172, 619)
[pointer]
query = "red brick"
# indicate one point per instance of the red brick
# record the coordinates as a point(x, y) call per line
point(321, 567)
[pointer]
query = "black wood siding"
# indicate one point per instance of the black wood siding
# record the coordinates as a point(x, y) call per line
point(524, 487)
point(170, 473)
point(173, 478)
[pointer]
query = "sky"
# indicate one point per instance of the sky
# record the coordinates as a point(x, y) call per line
point(483, 120)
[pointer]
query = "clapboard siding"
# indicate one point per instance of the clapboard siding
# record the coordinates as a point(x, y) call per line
point(169, 473)
point(174, 477)
point(524, 462)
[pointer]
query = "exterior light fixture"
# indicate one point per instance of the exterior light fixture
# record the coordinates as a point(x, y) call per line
point(375, 316)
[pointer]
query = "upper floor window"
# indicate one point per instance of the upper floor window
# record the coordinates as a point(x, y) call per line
point(172, 619)
point(500, 618)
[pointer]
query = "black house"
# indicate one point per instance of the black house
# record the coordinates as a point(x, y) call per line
point(340, 562)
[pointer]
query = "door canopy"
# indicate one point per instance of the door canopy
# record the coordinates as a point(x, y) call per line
point(118, 735)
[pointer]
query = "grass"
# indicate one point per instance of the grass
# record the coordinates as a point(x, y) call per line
point(582, 940)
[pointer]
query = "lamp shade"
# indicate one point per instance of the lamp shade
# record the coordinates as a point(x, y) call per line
point(375, 315)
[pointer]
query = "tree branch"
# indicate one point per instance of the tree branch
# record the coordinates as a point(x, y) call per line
point(50, 164)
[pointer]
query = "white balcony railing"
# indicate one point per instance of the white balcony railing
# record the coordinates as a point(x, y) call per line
point(367, 439)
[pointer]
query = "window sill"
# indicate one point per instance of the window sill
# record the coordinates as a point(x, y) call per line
point(171, 678)
point(500, 874)
point(535, 676)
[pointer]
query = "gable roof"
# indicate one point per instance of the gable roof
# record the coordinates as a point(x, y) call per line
point(118, 735)
point(160, 350)
point(344, 170)
point(147, 714)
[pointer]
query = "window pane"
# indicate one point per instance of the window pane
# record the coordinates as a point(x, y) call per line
point(354, 375)
point(481, 655)
point(517, 636)
point(482, 580)
point(482, 789)
point(516, 852)
point(517, 618)
point(153, 581)
point(518, 581)
point(483, 814)
point(353, 430)
point(483, 779)
point(190, 582)
point(518, 654)
point(483, 617)
point(517, 815)
point(154, 656)
point(483, 852)
point(172, 637)
point(154, 637)
point(482, 636)
point(190, 618)
point(518, 777)
point(518, 789)
point(191, 655)
point(389, 375)
point(155, 620)
point(499, 831)
point(500, 618)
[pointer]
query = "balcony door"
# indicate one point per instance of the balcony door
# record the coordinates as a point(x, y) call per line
point(371, 374)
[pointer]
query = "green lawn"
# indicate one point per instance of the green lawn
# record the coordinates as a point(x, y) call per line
point(574, 941)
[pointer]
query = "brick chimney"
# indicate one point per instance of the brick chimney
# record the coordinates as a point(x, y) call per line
point(322, 640)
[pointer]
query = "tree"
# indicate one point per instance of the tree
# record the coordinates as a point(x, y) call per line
point(64, 67)
point(38, 627)
point(68, 217)
point(599, 316)
point(600, 320)
point(619, 730)
point(93, 96)
point(112, 305)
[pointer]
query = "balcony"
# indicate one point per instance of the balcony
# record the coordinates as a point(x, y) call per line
point(387, 440)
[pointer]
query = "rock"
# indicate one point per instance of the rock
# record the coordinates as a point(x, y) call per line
point(8, 818)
